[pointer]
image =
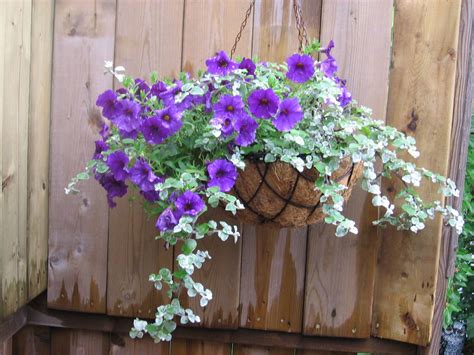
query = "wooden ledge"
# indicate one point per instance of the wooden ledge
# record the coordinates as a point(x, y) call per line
point(36, 313)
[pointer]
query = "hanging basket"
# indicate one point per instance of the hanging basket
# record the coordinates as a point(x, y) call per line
point(278, 195)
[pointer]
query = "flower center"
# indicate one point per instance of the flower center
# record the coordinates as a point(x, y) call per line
point(188, 206)
point(167, 117)
point(300, 66)
point(220, 173)
point(284, 111)
point(222, 64)
point(264, 101)
point(230, 108)
point(226, 123)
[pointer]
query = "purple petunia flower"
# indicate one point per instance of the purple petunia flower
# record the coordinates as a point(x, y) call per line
point(246, 128)
point(118, 164)
point(155, 130)
point(109, 103)
point(169, 94)
point(289, 114)
point(223, 174)
point(131, 134)
point(105, 131)
point(189, 203)
point(221, 64)
point(158, 88)
point(345, 98)
point(225, 123)
point(263, 103)
point(114, 187)
point(127, 119)
point(300, 68)
point(229, 106)
point(151, 196)
point(248, 65)
point(328, 49)
point(328, 66)
point(100, 146)
point(142, 176)
point(142, 87)
point(167, 220)
point(171, 119)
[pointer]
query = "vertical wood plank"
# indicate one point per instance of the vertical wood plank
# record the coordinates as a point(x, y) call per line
point(38, 145)
point(199, 347)
point(148, 38)
point(15, 83)
point(3, 258)
point(463, 98)
point(273, 261)
point(124, 345)
point(275, 36)
point(420, 103)
point(272, 283)
point(222, 311)
point(6, 347)
point(210, 26)
point(77, 267)
point(32, 340)
point(340, 271)
point(255, 350)
point(133, 255)
point(79, 342)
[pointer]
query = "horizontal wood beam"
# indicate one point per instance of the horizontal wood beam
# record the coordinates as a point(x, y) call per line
point(13, 323)
point(39, 315)
point(36, 313)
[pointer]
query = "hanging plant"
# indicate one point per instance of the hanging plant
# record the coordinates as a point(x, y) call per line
point(277, 143)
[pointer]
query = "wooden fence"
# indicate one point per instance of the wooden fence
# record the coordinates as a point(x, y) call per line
point(26, 39)
point(407, 60)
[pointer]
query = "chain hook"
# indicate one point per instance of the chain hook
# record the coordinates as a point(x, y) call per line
point(302, 35)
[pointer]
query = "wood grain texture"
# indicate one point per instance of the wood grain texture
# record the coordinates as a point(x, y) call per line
point(221, 275)
point(275, 36)
point(38, 144)
point(461, 129)
point(272, 282)
point(77, 268)
point(322, 352)
point(13, 323)
point(32, 340)
point(210, 26)
point(340, 272)
point(15, 24)
point(273, 261)
point(255, 350)
point(133, 255)
point(79, 342)
point(124, 345)
point(39, 314)
point(148, 38)
point(420, 103)
point(199, 347)
point(6, 347)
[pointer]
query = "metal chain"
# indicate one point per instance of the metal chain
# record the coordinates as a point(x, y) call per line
point(242, 27)
point(302, 35)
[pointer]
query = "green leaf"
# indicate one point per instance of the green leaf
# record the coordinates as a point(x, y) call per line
point(189, 246)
